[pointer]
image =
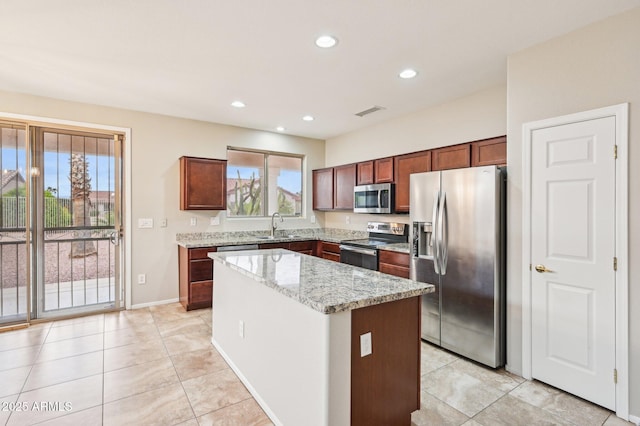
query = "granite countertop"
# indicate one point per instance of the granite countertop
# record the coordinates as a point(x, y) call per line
point(323, 285)
point(332, 235)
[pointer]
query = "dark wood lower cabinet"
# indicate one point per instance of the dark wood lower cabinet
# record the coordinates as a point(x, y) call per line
point(195, 277)
point(330, 251)
point(195, 271)
point(385, 386)
point(394, 263)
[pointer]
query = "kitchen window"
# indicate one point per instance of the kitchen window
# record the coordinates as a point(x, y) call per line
point(260, 183)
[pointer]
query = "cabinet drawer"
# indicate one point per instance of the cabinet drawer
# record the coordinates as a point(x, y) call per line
point(330, 247)
point(201, 292)
point(398, 271)
point(394, 258)
point(301, 246)
point(200, 253)
point(331, 256)
point(201, 270)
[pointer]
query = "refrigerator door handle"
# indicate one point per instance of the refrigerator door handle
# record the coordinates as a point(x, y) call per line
point(435, 237)
point(444, 235)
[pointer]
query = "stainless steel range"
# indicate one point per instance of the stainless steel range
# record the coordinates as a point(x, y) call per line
point(364, 252)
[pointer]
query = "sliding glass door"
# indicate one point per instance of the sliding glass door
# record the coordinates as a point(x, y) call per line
point(14, 293)
point(60, 222)
point(76, 219)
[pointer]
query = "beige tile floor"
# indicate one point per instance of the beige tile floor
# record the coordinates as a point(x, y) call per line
point(156, 366)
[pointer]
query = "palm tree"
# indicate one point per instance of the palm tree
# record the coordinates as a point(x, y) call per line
point(80, 190)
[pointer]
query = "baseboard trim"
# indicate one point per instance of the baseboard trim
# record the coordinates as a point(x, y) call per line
point(159, 302)
point(272, 416)
point(634, 419)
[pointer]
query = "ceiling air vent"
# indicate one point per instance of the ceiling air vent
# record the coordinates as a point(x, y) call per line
point(369, 111)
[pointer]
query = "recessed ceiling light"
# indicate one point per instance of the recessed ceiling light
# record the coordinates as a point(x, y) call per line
point(280, 129)
point(238, 104)
point(308, 118)
point(326, 41)
point(408, 73)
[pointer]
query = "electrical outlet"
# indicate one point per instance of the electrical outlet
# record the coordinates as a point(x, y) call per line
point(193, 221)
point(313, 219)
point(215, 220)
point(347, 219)
point(142, 278)
point(241, 329)
point(163, 223)
point(365, 344)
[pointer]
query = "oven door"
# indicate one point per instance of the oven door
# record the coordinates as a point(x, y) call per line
point(358, 256)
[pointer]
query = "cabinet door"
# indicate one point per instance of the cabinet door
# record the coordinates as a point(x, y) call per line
point(343, 183)
point(451, 157)
point(489, 152)
point(383, 170)
point(203, 184)
point(365, 173)
point(323, 189)
point(404, 165)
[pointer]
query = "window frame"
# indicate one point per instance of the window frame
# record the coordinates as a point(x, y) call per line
point(265, 182)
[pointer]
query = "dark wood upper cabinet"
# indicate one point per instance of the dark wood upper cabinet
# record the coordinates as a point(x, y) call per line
point(323, 189)
point(365, 173)
point(451, 157)
point(383, 170)
point(203, 184)
point(404, 166)
point(344, 179)
point(489, 152)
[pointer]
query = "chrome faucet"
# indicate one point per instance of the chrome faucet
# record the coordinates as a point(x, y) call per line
point(274, 225)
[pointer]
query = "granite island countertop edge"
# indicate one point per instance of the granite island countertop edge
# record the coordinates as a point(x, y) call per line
point(334, 285)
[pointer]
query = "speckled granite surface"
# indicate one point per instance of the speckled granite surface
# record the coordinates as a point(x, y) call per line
point(217, 239)
point(320, 284)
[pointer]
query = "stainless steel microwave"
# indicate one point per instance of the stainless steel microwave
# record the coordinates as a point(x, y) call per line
point(377, 198)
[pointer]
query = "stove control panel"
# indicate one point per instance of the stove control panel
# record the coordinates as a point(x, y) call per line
point(387, 228)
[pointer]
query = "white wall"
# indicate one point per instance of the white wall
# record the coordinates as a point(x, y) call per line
point(477, 116)
point(157, 143)
point(593, 67)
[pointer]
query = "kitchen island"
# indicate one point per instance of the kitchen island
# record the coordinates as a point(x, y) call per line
point(318, 342)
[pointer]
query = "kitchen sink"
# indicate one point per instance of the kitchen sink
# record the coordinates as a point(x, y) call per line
point(269, 237)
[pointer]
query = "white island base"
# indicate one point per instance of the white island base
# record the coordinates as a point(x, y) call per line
point(304, 366)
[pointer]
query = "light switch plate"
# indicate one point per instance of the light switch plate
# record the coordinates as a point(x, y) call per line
point(365, 344)
point(215, 220)
point(163, 223)
point(145, 222)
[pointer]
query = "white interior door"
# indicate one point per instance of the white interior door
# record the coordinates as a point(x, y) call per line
point(572, 255)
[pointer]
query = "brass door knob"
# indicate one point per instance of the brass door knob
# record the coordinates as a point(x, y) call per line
point(542, 268)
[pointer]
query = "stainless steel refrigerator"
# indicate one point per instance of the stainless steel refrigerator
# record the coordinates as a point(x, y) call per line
point(457, 244)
